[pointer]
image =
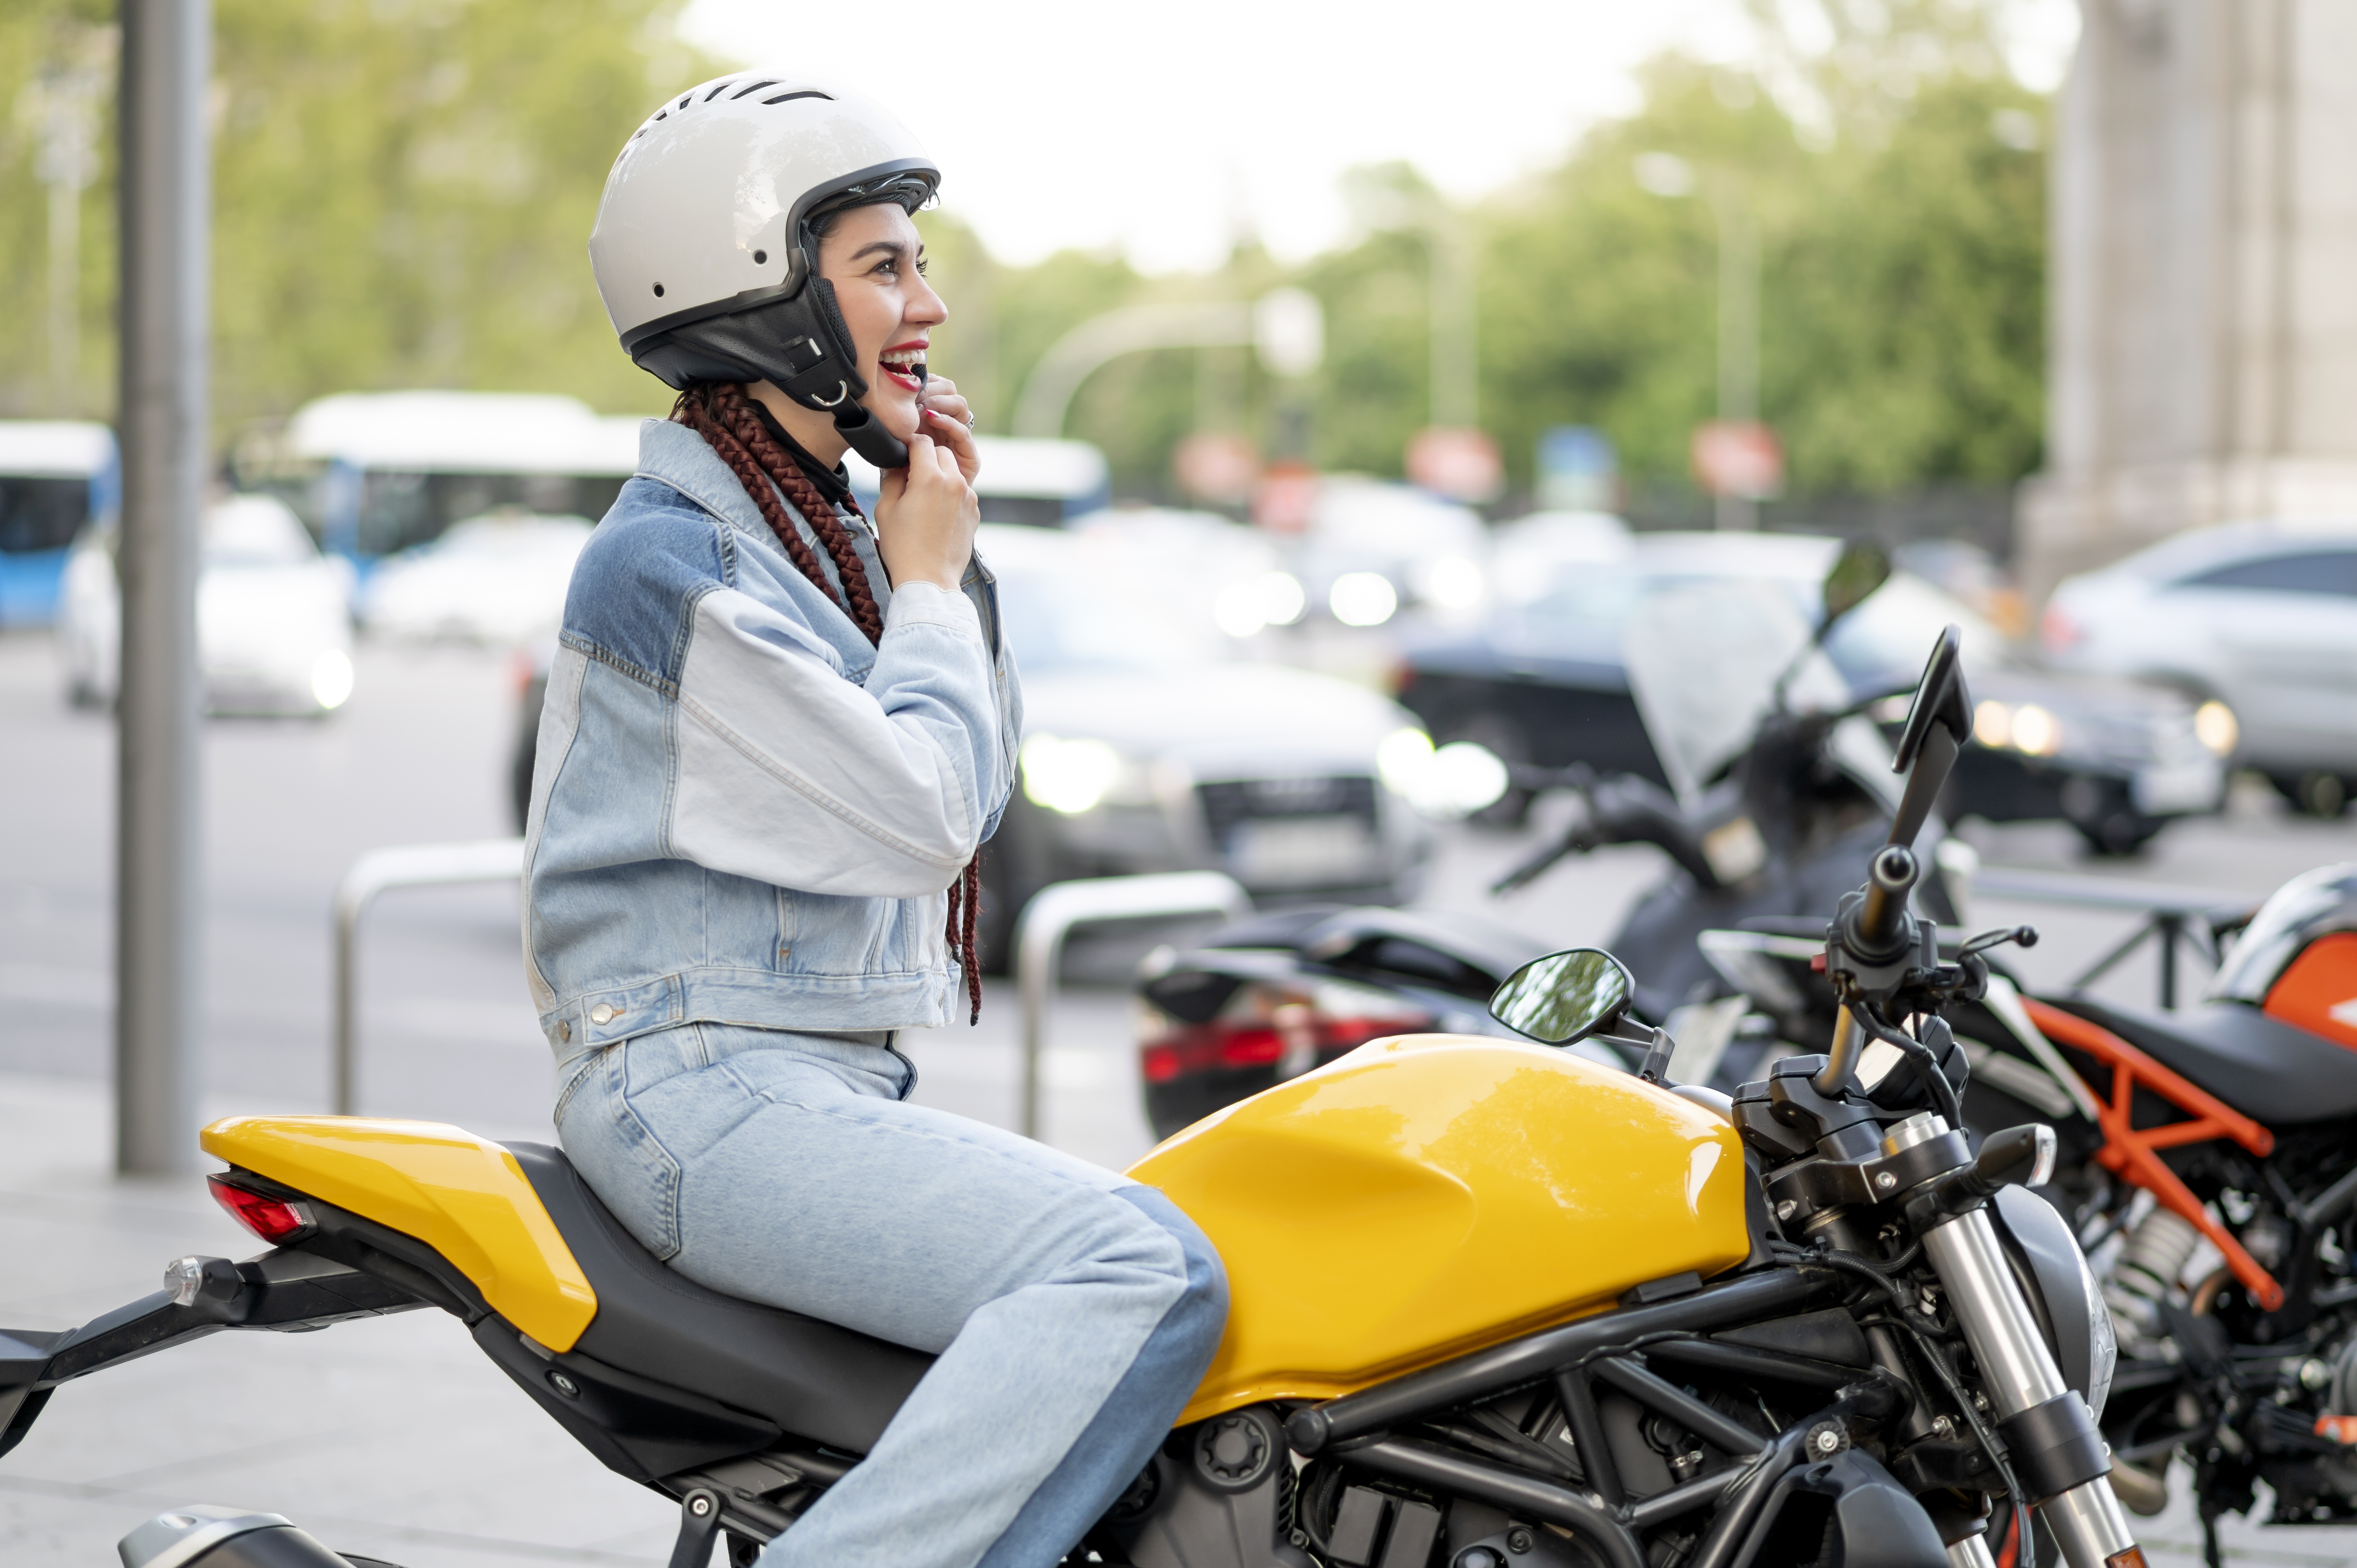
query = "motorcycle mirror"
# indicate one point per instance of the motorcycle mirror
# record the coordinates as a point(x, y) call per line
point(1939, 722)
point(1565, 996)
point(1862, 567)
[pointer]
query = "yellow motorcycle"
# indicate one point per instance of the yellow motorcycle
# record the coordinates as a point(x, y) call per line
point(1493, 1306)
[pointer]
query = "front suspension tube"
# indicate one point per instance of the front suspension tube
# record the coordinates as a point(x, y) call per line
point(2056, 1452)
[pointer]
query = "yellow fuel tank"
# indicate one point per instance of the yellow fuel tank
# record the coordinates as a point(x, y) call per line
point(1428, 1195)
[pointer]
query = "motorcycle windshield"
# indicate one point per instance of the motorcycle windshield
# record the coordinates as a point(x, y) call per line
point(1703, 660)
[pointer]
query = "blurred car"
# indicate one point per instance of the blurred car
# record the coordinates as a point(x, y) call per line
point(1543, 683)
point(273, 630)
point(57, 476)
point(1147, 746)
point(1210, 569)
point(1372, 549)
point(2259, 617)
point(1529, 555)
point(499, 578)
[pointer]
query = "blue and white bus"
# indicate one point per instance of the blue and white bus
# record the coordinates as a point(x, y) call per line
point(57, 476)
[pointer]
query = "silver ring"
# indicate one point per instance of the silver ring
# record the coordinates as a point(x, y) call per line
point(969, 419)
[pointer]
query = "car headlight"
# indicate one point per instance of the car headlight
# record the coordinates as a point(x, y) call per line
point(2214, 726)
point(2029, 729)
point(1068, 776)
point(1272, 598)
point(1453, 583)
point(1457, 780)
point(1363, 598)
point(331, 678)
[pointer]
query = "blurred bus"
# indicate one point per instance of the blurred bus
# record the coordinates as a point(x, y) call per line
point(56, 476)
point(1043, 484)
point(372, 474)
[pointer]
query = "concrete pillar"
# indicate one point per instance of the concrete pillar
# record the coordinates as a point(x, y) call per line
point(2202, 294)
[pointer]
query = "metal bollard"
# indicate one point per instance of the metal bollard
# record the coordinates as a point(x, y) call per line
point(1055, 909)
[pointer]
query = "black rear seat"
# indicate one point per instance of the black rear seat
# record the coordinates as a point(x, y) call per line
point(2280, 1075)
point(814, 1379)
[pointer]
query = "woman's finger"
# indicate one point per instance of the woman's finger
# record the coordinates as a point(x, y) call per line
point(951, 431)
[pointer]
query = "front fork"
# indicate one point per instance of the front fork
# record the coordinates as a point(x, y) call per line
point(2056, 1452)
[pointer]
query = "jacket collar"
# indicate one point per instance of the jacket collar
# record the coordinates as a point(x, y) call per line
point(676, 456)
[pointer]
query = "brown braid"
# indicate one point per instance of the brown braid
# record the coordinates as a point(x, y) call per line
point(724, 417)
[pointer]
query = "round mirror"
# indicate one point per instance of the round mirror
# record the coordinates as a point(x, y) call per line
point(1862, 567)
point(1562, 997)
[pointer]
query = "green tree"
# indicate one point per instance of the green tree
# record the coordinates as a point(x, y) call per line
point(403, 189)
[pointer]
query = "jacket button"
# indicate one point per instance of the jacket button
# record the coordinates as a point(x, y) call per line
point(602, 1013)
point(565, 1028)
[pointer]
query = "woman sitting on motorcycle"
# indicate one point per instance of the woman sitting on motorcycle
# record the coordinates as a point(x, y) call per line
point(775, 735)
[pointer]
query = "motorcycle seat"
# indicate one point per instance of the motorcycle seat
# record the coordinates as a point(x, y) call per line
point(815, 1380)
point(2267, 1070)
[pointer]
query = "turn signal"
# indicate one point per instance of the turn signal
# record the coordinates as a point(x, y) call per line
point(273, 1219)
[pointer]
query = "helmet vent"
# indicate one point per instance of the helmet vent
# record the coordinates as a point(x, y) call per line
point(807, 92)
point(684, 102)
point(716, 92)
point(750, 87)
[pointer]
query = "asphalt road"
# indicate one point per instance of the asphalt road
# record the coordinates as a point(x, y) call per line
point(396, 1437)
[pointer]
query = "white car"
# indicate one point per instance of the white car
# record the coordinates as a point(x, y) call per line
point(499, 578)
point(1213, 569)
point(2262, 615)
point(1372, 548)
point(1147, 746)
point(274, 618)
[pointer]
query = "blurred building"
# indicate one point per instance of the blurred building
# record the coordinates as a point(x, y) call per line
point(2203, 329)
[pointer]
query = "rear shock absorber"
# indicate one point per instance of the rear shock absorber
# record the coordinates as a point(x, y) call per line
point(2147, 1271)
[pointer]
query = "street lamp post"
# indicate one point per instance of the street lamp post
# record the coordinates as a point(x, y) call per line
point(1382, 203)
point(1667, 174)
point(166, 199)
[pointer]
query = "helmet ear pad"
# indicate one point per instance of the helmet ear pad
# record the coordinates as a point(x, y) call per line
point(799, 344)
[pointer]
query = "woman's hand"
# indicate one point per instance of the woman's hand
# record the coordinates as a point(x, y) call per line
point(926, 514)
point(944, 415)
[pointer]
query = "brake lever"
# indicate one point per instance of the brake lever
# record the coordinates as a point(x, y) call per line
point(1575, 842)
point(2025, 935)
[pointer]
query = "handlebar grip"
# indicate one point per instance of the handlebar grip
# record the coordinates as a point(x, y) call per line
point(1888, 882)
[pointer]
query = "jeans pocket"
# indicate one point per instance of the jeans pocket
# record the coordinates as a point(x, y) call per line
point(624, 1163)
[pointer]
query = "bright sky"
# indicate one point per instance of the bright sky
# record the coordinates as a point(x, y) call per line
point(1161, 130)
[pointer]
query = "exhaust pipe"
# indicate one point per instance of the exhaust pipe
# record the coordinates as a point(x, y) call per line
point(2142, 1491)
point(204, 1536)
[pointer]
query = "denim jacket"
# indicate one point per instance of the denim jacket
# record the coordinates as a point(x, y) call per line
point(743, 813)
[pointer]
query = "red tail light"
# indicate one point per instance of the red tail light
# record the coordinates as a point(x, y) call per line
point(272, 1219)
point(1261, 1021)
point(2056, 630)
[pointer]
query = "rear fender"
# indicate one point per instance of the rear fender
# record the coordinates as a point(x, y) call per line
point(288, 1290)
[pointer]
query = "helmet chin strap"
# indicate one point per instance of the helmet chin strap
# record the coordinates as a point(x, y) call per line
point(870, 438)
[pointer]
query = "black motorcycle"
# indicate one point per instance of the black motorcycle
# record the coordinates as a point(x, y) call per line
point(1781, 800)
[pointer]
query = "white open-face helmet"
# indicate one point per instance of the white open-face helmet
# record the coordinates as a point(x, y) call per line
point(708, 208)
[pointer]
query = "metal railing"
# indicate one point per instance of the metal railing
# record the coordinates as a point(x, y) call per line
point(1055, 909)
point(1048, 920)
point(2173, 916)
point(408, 866)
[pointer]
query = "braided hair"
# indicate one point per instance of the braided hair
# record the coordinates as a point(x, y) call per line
point(724, 417)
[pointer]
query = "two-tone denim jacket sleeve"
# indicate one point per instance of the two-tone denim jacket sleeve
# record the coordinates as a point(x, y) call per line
point(982, 592)
point(785, 771)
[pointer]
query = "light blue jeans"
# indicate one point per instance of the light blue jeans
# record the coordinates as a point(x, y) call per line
point(1073, 1310)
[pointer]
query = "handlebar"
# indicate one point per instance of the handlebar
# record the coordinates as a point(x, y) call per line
point(1889, 880)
